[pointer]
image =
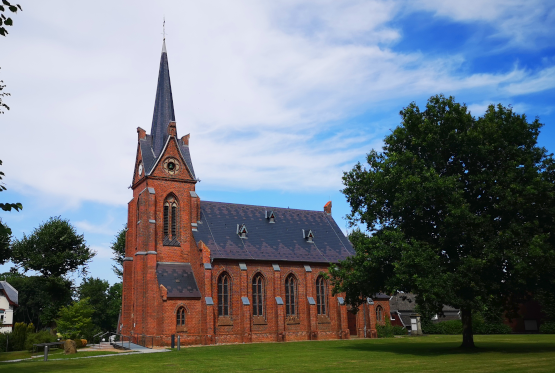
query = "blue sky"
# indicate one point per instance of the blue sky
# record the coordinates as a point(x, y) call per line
point(280, 97)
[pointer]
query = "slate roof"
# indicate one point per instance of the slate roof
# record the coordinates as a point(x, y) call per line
point(149, 159)
point(178, 278)
point(163, 105)
point(279, 241)
point(406, 302)
point(153, 144)
point(10, 292)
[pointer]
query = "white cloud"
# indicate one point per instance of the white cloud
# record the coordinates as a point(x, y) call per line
point(524, 23)
point(102, 252)
point(260, 87)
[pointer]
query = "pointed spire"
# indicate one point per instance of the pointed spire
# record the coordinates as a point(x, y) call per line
point(163, 106)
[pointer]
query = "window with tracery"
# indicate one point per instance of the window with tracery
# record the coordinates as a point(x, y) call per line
point(379, 314)
point(321, 296)
point(171, 217)
point(180, 317)
point(224, 294)
point(291, 296)
point(258, 295)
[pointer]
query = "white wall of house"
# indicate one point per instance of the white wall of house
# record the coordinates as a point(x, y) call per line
point(7, 316)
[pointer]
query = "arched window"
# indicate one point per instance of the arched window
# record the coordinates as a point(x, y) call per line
point(180, 317)
point(258, 295)
point(224, 294)
point(171, 216)
point(379, 314)
point(291, 296)
point(321, 295)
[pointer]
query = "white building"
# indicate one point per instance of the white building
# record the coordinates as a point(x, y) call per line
point(8, 302)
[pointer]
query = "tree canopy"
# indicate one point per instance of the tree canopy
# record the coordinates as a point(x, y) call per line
point(118, 247)
point(105, 301)
point(6, 7)
point(75, 321)
point(457, 209)
point(53, 249)
point(40, 298)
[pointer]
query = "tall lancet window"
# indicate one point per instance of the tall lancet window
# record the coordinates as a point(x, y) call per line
point(171, 220)
point(291, 296)
point(224, 294)
point(321, 296)
point(258, 295)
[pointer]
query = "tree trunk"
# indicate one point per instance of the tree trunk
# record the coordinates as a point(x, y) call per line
point(468, 336)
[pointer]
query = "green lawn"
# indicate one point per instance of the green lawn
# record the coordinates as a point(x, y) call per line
point(507, 353)
point(53, 354)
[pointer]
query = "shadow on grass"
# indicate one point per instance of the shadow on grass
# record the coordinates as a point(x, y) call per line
point(430, 348)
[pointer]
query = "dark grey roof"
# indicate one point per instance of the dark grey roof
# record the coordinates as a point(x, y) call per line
point(403, 302)
point(179, 279)
point(406, 302)
point(163, 106)
point(148, 156)
point(10, 291)
point(282, 240)
point(149, 159)
point(184, 149)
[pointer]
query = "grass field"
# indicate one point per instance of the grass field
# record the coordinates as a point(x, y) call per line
point(507, 353)
point(53, 354)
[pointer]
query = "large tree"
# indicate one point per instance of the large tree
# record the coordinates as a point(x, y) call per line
point(105, 301)
point(118, 247)
point(39, 298)
point(54, 249)
point(458, 210)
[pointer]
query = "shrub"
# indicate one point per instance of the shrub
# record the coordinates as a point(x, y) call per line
point(78, 343)
point(43, 336)
point(6, 338)
point(492, 328)
point(84, 342)
point(384, 331)
point(399, 330)
point(548, 328)
point(17, 341)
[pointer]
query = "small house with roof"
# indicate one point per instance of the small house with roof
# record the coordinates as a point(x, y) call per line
point(217, 272)
point(8, 303)
point(403, 311)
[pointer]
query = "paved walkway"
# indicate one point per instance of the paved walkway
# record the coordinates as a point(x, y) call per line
point(135, 349)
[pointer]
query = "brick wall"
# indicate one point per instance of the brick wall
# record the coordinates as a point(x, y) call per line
point(147, 310)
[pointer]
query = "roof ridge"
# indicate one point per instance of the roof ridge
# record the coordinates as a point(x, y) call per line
point(261, 206)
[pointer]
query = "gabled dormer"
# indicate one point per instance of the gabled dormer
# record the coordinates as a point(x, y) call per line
point(308, 235)
point(242, 230)
point(271, 216)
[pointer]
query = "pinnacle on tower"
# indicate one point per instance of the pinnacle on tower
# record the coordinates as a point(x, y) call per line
point(163, 106)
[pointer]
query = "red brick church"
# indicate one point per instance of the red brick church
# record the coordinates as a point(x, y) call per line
point(216, 272)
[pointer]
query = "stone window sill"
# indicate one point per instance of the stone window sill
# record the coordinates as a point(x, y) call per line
point(323, 319)
point(225, 321)
point(259, 320)
point(292, 320)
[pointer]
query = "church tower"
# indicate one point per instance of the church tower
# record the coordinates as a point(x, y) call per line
point(161, 216)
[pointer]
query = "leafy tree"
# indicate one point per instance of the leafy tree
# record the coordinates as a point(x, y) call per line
point(105, 301)
point(6, 7)
point(7, 206)
point(459, 211)
point(3, 105)
point(114, 305)
point(118, 247)
point(40, 298)
point(54, 249)
point(75, 321)
point(5, 238)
